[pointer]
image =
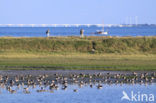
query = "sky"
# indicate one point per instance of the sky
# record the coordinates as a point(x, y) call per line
point(77, 11)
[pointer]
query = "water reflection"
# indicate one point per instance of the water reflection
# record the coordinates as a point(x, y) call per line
point(27, 89)
point(109, 93)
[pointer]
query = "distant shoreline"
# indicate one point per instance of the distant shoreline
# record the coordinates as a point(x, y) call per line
point(75, 25)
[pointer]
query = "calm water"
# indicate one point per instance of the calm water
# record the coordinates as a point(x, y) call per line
point(74, 31)
point(107, 94)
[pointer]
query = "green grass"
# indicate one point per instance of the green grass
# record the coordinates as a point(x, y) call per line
point(116, 53)
point(76, 61)
point(122, 45)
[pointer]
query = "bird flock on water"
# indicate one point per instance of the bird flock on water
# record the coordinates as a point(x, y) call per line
point(50, 83)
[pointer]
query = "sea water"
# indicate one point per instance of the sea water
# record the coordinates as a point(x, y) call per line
point(75, 31)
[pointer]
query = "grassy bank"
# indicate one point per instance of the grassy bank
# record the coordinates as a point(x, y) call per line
point(84, 45)
point(126, 53)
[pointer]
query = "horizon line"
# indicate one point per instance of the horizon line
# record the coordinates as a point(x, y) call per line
point(66, 25)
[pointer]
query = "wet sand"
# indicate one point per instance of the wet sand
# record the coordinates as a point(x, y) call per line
point(86, 76)
point(67, 72)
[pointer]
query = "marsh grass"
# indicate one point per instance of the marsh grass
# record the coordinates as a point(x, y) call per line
point(116, 53)
point(77, 61)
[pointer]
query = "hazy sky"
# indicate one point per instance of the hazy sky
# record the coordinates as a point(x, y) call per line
point(77, 11)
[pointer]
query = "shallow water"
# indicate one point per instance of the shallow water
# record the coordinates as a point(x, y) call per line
point(108, 94)
point(82, 86)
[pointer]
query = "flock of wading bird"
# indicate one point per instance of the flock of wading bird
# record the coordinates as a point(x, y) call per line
point(50, 83)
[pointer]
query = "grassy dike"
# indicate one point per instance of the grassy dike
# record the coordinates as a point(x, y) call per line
point(117, 53)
